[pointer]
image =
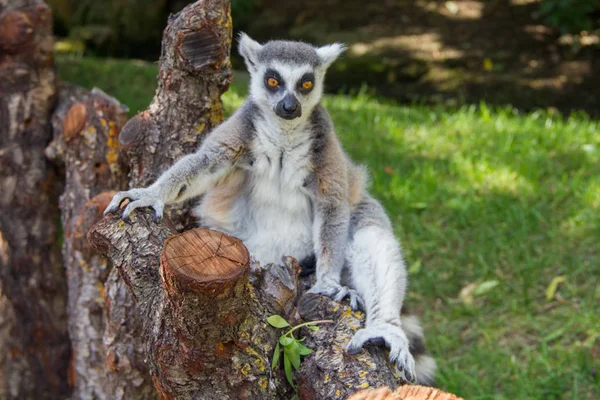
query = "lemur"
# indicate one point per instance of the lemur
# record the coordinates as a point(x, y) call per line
point(275, 175)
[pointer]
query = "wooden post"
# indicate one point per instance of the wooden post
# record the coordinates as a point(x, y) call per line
point(86, 126)
point(34, 344)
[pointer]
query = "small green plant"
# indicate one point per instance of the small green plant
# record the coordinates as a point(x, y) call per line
point(292, 347)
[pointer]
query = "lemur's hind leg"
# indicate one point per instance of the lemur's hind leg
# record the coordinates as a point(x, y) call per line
point(378, 274)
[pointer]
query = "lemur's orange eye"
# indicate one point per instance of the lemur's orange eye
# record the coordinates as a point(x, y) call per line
point(272, 82)
point(307, 85)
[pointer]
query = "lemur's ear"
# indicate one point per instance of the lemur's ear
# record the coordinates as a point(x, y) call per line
point(329, 53)
point(249, 49)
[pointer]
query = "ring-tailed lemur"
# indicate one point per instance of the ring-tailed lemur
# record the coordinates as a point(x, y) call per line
point(274, 175)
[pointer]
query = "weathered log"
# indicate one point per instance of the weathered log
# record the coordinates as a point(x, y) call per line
point(205, 309)
point(194, 70)
point(205, 324)
point(406, 392)
point(34, 350)
point(86, 126)
point(330, 373)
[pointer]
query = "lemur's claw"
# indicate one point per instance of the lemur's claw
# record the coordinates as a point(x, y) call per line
point(356, 302)
point(327, 289)
point(338, 293)
point(156, 204)
point(409, 377)
point(394, 338)
point(139, 198)
point(116, 202)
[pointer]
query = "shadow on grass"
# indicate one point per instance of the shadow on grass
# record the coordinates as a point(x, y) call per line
point(434, 52)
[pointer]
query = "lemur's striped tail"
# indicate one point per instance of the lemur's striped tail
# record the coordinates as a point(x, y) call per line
point(425, 365)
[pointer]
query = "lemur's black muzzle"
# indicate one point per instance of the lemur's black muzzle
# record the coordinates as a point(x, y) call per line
point(289, 107)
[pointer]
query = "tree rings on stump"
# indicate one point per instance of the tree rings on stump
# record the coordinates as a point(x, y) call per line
point(202, 260)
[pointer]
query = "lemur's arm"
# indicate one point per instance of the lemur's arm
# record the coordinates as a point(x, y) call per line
point(195, 173)
point(330, 233)
point(332, 220)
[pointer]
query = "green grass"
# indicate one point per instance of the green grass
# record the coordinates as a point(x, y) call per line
point(476, 195)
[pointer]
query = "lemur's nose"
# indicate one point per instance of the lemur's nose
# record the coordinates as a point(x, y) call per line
point(289, 107)
point(290, 104)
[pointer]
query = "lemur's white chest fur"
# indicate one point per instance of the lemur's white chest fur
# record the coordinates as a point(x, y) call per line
point(271, 211)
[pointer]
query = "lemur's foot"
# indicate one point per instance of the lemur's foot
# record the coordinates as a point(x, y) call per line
point(139, 198)
point(394, 338)
point(338, 293)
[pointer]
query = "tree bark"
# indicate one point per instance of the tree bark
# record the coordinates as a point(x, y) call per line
point(204, 308)
point(204, 323)
point(86, 126)
point(194, 70)
point(34, 351)
point(330, 373)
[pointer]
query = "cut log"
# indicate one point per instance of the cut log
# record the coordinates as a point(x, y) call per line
point(194, 70)
point(204, 309)
point(406, 392)
point(205, 324)
point(34, 345)
point(202, 260)
point(86, 126)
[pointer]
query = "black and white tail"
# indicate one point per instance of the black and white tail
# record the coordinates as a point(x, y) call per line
point(425, 365)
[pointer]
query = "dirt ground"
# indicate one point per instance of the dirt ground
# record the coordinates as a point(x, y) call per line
point(444, 51)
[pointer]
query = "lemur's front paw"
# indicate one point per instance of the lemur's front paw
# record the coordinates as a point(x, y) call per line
point(394, 338)
point(338, 293)
point(139, 198)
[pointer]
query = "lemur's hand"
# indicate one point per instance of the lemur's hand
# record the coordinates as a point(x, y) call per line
point(394, 338)
point(139, 198)
point(337, 292)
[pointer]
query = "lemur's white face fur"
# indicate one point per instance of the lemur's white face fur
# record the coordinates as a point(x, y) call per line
point(287, 77)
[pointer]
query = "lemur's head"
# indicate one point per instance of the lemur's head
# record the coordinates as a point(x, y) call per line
point(287, 77)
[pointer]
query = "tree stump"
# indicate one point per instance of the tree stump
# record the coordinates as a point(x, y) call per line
point(201, 260)
point(204, 309)
point(194, 70)
point(86, 126)
point(34, 343)
point(204, 323)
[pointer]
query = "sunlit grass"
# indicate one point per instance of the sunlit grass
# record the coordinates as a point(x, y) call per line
point(476, 194)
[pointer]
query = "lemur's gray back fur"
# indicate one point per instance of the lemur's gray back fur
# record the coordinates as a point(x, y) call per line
point(275, 175)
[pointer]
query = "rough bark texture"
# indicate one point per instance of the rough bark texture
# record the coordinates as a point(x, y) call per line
point(404, 393)
point(204, 320)
point(86, 126)
point(205, 309)
point(194, 70)
point(330, 373)
point(34, 351)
